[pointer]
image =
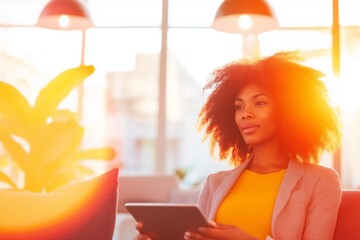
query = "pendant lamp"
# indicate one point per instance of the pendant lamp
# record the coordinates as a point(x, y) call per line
point(245, 17)
point(65, 15)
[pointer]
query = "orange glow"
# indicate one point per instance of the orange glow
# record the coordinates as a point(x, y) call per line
point(26, 215)
point(47, 210)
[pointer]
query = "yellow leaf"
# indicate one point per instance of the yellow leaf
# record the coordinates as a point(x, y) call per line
point(53, 93)
point(13, 104)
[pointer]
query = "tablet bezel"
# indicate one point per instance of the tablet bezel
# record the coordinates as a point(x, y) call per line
point(164, 221)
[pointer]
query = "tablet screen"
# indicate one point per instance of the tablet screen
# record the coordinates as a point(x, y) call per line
point(167, 221)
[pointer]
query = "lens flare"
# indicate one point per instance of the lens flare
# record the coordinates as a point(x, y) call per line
point(66, 211)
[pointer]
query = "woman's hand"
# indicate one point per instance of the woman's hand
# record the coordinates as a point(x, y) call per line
point(218, 231)
point(140, 236)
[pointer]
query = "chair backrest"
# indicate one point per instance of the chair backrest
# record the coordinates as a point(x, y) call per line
point(348, 221)
point(82, 210)
point(145, 188)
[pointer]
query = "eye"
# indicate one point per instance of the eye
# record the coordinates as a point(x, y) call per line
point(239, 107)
point(260, 103)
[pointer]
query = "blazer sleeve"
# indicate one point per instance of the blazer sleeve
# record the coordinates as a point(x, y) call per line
point(323, 207)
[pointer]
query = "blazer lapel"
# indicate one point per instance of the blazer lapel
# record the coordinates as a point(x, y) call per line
point(225, 186)
point(294, 172)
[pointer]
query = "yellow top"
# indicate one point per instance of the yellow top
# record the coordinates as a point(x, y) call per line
point(250, 202)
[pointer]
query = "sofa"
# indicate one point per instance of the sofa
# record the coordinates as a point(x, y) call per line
point(348, 221)
point(81, 210)
point(142, 189)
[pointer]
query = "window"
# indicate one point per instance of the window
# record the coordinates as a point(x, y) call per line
point(120, 104)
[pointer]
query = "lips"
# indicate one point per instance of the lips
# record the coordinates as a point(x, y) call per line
point(249, 129)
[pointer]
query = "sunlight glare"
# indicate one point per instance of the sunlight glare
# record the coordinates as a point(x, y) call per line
point(333, 87)
point(49, 209)
point(342, 94)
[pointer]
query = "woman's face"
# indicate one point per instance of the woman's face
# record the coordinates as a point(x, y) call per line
point(255, 115)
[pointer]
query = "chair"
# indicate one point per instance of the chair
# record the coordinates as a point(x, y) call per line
point(143, 188)
point(348, 221)
point(82, 210)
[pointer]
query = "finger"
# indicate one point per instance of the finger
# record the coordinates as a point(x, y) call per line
point(214, 224)
point(139, 226)
point(192, 236)
point(211, 232)
point(142, 237)
point(196, 236)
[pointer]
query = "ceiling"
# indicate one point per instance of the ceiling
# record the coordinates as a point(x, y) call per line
point(183, 13)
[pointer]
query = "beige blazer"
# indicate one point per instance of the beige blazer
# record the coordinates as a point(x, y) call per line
point(306, 206)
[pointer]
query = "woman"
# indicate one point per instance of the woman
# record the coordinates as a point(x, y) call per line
point(272, 120)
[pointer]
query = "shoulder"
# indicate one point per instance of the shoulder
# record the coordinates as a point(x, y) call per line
point(316, 175)
point(313, 170)
point(320, 172)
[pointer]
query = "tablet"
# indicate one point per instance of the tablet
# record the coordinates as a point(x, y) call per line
point(167, 221)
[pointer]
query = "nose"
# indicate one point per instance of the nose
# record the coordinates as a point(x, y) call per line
point(247, 115)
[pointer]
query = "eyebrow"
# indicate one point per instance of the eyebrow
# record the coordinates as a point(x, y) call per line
point(255, 96)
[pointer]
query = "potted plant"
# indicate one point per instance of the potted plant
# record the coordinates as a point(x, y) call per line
point(43, 140)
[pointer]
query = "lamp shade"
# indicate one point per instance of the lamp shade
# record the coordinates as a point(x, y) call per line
point(245, 17)
point(65, 15)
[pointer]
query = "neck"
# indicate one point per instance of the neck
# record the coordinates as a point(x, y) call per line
point(268, 158)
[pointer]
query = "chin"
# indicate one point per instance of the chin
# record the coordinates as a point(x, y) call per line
point(254, 140)
point(251, 142)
